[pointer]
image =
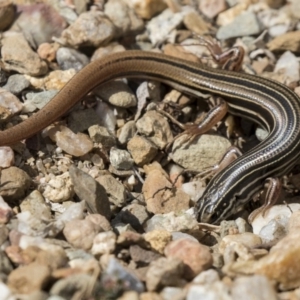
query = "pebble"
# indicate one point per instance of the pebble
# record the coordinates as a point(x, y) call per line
point(192, 49)
point(100, 134)
point(205, 152)
point(195, 23)
point(273, 232)
point(120, 159)
point(261, 64)
point(289, 65)
point(32, 226)
point(68, 58)
point(134, 214)
point(181, 235)
point(226, 17)
point(35, 204)
point(16, 84)
point(142, 256)
point(150, 296)
point(59, 188)
point(181, 53)
point(5, 113)
point(145, 91)
point(128, 238)
point(47, 51)
point(248, 239)
point(130, 295)
point(164, 272)
point(155, 127)
point(9, 102)
point(36, 101)
point(66, 11)
point(228, 228)
point(195, 256)
point(293, 222)
point(160, 26)
point(294, 8)
point(25, 61)
point(55, 80)
point(242, 225)
point(74, 212)
point(7, 157)
point(158, 239)
point(5, 292)
point(91, 28)
point(253, 287)
point(121, 228)
point(194, 189)
point(160, 195)
point(115, 191)
point(104, 243)
point(48, 254)
point(142, 150)
point(106, 116)
point(101, 221)
point(117, 93)
point(147, 9)
point(215, 291)
point(184, 222)
point(123, 18)
point(277, 22)
point(103, 51)
point(212, 8)
point(89, 190)
point(45, 23)
point(171, 293)
point(116, 273)
point(285, 42)
point(281, 263)
point(244, 24)
point(29, 278)
point(83, 119)
point(273, 225)
point(261, 134)
point(6, 212)
point(24, 241)
point(127, 132)
point(207, 277)
point(98, 161)
point(76, 144)
point(81, 233)
point(15, 183)
point(67, 288)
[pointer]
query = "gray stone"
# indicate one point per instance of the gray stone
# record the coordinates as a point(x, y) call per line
point(244, 24)
point(116, 273)
point(68, 58)
point(253, 287)
point(16, 84)
point(89, 190)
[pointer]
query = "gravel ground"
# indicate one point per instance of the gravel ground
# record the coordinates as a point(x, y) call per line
point(99, 205)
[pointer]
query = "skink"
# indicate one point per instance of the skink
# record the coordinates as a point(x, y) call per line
point(268, 103)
